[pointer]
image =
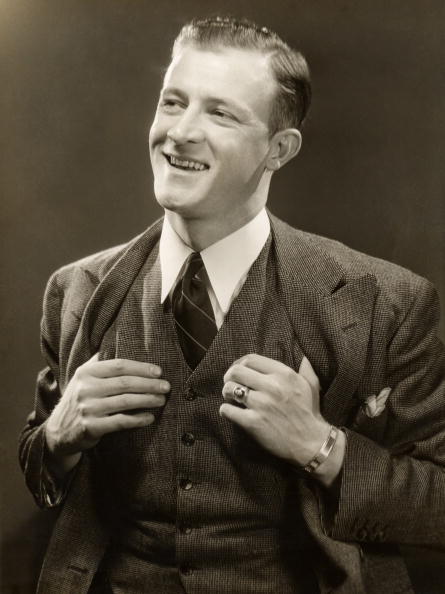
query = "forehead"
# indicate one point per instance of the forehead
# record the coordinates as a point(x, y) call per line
point(228, 73)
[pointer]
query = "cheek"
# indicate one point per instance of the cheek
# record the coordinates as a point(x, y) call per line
point(157, 132)
point(247, 152)
point(245, 164)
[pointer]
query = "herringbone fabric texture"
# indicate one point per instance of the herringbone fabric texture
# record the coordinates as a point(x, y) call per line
point(183, 525)
point(364, 324)
point(193, 313)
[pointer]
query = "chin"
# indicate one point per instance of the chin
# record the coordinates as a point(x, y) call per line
point(176, 202)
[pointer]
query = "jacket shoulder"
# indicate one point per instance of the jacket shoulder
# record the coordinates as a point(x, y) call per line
point(70, 287)
point(355, 263)
point(95, 266)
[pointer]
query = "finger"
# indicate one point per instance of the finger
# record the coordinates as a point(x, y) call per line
point(120, 422)
point(128, 384)
point(120, 367)
point(122, 403)
point(261, 364)
point(240, 374)
point(307, 371)
point(241, 416)
point(230, 396)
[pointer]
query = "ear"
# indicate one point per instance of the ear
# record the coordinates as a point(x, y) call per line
point(284, 146)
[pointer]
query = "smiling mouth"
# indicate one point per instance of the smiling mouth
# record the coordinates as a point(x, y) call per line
point(185, 164)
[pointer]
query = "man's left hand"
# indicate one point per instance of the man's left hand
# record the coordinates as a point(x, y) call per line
point(282, 407)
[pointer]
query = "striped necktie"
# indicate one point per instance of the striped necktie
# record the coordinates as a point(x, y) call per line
point(193, 312)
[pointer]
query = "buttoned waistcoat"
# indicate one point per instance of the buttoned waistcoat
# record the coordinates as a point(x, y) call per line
point(193, 491)
point(364, 325)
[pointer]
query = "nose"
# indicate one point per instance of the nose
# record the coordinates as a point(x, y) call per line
point(186, 128)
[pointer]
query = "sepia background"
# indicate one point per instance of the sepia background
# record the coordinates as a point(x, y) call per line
point(79, 83)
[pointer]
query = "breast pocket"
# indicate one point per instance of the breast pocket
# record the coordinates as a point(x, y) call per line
point(368, 424)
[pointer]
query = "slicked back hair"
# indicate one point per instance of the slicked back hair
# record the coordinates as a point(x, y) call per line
point(288, 66)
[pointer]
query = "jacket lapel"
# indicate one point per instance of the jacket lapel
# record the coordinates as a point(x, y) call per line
point(348, 316)
point(331, 315)
point(108, 296)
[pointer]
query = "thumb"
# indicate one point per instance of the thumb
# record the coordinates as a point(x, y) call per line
point(307, 371)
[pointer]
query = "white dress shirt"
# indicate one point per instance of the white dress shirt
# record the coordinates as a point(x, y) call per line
point(227, 262)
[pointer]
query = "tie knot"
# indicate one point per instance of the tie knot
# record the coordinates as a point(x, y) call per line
point(194, 266)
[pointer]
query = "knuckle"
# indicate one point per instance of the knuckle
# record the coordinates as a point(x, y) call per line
point(123, 384)
point(235, 370)
point(83, 409)
point(120, 401)
point(275, 385)
point(80, 372)
point(85, 427)
point(123, 422)
point(81, 392)
point(118, 422)
point(149, 400)
point(246, 360)
point(118, 366)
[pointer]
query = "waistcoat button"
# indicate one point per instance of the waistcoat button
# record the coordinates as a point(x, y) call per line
point(190, 395)
point(185, 570)
point(188, 438)
point(185, 484)
point(185, 529)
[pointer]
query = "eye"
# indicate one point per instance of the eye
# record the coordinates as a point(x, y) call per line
point(170, 105)
point(223, 115)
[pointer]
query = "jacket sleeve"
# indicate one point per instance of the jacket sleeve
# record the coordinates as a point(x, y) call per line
point(46, 488)
point(394, 491)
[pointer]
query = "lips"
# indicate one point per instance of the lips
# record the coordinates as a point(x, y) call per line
point(186, 164)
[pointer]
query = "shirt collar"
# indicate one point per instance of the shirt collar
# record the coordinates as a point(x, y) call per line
point(173, 252)
point(227, 261)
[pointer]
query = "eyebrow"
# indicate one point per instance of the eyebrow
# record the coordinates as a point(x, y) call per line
point(214, 100)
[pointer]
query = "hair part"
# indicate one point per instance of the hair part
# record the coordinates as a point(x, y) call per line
point(288, 66)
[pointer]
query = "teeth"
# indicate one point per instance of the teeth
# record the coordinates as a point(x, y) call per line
point(186, 164)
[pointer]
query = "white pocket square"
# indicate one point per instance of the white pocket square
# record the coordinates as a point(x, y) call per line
point(375, 405)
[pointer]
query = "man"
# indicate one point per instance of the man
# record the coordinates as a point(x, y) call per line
point(231, 405)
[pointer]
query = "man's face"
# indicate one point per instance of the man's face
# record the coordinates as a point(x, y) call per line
point(210, 139)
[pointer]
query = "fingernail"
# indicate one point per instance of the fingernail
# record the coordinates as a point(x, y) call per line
point(156, 371)
point(165, 386)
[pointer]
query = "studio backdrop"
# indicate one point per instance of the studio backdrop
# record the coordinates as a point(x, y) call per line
point(79, 85)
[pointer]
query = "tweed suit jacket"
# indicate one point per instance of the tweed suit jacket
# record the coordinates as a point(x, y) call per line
point(365, 325)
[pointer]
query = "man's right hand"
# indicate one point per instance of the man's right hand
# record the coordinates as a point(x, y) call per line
point(102, 397)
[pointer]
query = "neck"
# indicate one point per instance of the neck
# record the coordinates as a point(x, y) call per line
point(201, 231)
point(199, 234)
